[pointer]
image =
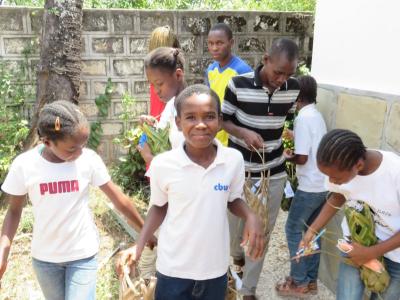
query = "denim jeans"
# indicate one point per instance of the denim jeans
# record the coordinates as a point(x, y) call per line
point(350, 286)
point(304, 209)
point(74, 280)
point(172, 288)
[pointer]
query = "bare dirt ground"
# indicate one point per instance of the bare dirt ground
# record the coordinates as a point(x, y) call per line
point(276, 266)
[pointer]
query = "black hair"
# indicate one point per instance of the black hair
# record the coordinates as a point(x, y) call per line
point(196, 89)
point(342, 148)
point(60, 119)
point(223, 27)
point(284, 46)
point(308, 89)
point(165, 58)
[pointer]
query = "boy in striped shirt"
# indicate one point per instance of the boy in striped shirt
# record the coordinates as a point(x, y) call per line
point(255, 108)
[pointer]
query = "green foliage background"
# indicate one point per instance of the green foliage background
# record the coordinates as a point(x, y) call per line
point(273, 5)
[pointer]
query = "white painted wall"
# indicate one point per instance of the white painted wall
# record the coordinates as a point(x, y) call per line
point(357, 44)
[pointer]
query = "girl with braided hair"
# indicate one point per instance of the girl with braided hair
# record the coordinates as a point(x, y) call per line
point(165, 71)
point(367, 181)
point(56, 176)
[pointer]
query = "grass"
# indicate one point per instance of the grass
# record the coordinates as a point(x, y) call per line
point(19, 281)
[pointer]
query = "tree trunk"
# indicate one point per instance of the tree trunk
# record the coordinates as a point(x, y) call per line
point(59, 69)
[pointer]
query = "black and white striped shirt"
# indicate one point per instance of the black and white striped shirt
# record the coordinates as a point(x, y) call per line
point(248, 104)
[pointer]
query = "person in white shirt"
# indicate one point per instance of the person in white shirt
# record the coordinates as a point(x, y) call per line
point(165, 72)
point(309, 128)
point(191, 188)
point(56, 176)
point(357, 177)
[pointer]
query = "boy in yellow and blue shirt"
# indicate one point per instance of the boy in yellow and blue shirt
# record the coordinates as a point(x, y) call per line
point(225, 66)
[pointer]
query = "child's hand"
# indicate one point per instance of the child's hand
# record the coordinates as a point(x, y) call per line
point(306, 240)
point(253, 237)
point(126, 261)
point(288, 153)
point(360, 255)
point(145, 152)
point(152, 242)
point(147, 119)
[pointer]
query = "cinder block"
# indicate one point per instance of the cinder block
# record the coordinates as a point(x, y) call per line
point(111, 128)
point(123, 67)
point(112, 45)
point(119, 88)
point(363, 115)
point(94, 67)
point(11, 20)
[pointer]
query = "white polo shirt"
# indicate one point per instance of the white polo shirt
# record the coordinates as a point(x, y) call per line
point(194, 237)
point(309, 128)
point(168, 115)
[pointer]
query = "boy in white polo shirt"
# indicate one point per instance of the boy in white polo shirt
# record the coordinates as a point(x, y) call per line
point(309, 128)
point(191, 188)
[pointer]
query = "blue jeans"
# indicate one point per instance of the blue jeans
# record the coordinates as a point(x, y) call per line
point(74, 280)
point(172, 288)
point(304, 209)
point(350, 286)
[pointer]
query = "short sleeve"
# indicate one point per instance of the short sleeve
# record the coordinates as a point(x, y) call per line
point(100, 174)
point(238, 180)
point(302, 138)
point(14, 184)
point(167, 115)
point(158, 194)
point(229, 105)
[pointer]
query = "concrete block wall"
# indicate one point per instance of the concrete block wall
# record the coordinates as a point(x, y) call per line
point(115, 42)
point(374, 116)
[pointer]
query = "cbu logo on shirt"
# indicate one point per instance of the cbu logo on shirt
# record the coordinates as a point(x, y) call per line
point(60, 187)
point(221, 187)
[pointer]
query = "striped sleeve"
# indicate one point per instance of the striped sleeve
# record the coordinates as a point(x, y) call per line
point(230, 103)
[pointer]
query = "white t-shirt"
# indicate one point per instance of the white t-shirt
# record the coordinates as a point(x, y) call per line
point(168, 115)
point(194, 237)
point(381, 191)
point(309, 128)
point(63, 229)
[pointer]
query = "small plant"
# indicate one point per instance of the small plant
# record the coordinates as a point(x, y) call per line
point(103, 103)
point(288, 143)
point(14, 93)
point(129, 171)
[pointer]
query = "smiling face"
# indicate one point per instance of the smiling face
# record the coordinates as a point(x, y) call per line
point(277, 69)
point(166, 84)
point(219, 45)
point(199, 121)
point(69, 148)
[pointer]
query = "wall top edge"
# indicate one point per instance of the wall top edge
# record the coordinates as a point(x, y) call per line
point(358, 92)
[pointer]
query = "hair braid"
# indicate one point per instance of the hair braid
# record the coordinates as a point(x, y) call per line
point(342, 148)
point(68, 115)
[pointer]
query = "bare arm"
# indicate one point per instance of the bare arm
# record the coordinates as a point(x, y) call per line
point(9, 228)
point(251, 138)
point(332, 205)
point(123, 204)
point(298, 159)
point(252, 232)
point(154, 219)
